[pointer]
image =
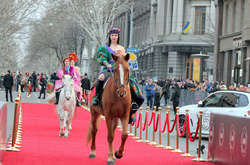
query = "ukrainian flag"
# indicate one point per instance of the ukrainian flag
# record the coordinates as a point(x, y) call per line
point(186, 27)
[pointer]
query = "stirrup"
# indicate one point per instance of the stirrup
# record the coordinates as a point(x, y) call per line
point(134, 106)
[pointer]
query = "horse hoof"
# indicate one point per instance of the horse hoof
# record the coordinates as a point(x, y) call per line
point(118, 156)
point(61, 134)
point(92, 155)
point(111, 162)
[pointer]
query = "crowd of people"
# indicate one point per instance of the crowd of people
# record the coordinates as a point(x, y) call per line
point(156, 90)
point(33, 82)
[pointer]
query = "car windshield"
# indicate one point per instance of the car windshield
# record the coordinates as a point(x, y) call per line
point(213, 100)
point(221, 100)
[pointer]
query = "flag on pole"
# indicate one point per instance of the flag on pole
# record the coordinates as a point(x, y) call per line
point(186, 27)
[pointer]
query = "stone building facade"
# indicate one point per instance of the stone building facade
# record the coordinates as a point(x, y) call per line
point(165, 50)
point(232, 44)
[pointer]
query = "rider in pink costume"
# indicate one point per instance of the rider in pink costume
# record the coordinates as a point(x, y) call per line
point(66, 69)
point(76, 76)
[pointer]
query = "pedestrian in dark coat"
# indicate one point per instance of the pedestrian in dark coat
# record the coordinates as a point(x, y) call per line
point(8, 83)
point(165, 92)
point(85, 83)
point(43, 84)
point(175, 97)
point(34, 81)
point(157, 99)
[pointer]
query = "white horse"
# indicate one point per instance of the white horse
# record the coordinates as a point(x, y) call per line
point(66, 105)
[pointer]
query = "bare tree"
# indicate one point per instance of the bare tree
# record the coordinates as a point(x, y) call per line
point(96, 16)
point(56, 32)
point(14, 16)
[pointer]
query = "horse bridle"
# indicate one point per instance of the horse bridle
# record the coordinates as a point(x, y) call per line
point(116, 82)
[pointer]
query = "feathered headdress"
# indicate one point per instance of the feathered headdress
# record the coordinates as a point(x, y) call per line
point(114, 31)
point(73, 56)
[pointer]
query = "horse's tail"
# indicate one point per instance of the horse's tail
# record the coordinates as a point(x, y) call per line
point(89, 137)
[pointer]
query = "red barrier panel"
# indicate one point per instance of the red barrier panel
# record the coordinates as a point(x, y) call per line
point(3, 126)
point(229, 140)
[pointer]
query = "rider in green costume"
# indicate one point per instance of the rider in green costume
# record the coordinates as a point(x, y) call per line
point(104, 58)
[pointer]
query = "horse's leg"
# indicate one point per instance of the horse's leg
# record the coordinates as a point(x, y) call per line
point(70, 118)
point(61, 118)
point(66, 123)
point(109, 123)
point(114, 125)
point(61, 127)
point(95, 121)
point(119, 153)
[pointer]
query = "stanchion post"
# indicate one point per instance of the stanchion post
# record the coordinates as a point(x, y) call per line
point(14, 130)
point(130, 131)
point(153, 138)
point(135, 132)
point(140, 138)
point(187, 154)
point(177, 135)
point(159, 129)
point(146, 136)
point(199, 159)
point(168, 147)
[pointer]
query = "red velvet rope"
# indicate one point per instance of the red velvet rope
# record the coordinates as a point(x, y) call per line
point(165, 124)
point(138, 121)
point(146, 121)
point(196, 132)
point(184, 126)
point(169, 125)
point(157, 121)
point(152, 116)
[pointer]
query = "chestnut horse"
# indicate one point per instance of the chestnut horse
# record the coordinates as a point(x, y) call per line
point(116, 101)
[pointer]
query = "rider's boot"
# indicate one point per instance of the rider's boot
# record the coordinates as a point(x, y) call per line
point(99, 86)
point(133, 109)
point(137, 101)
point(57, 97)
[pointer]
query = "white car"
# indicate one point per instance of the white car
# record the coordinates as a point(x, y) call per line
point(225, 102)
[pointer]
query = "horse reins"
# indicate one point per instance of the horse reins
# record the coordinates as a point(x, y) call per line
point(122, 86)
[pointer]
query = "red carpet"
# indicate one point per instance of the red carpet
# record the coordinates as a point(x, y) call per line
point(43, 146)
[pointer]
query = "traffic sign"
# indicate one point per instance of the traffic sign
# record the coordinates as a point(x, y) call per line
point(133, 64)
point(132, 57)
point(132, 50)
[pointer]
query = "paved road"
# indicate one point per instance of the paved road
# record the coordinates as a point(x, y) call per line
point(182, 143)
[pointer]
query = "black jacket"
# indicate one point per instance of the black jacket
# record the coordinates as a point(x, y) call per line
point(85, 84)
point(8, 81)
point(176, 95)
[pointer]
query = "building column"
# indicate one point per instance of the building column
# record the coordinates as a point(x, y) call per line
point(248, 65)
point(218, 32)
point(180, 9)
point(169, 17)
point(160, 17)
point(174, 16)
point(225, 68)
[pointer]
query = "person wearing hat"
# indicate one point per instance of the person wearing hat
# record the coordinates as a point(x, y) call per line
point(66, 69)
point(104, 58)
point(76, 77)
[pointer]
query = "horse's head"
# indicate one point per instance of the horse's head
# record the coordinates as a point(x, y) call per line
point(121, 74)
point(68, 86)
